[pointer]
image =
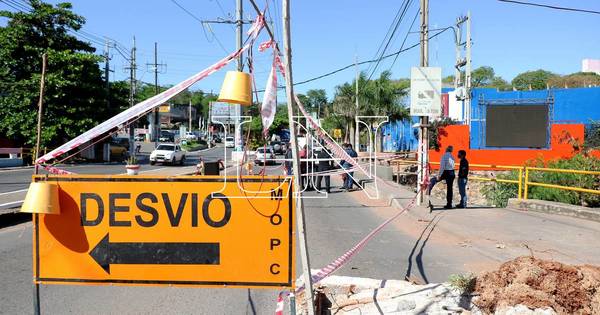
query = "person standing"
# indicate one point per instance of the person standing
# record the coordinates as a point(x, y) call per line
point(324, 165)
point(349, 175)
point(288, 162)
point(445, 173)
point(463, 174)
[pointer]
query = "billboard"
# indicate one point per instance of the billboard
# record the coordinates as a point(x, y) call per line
point(524, 126)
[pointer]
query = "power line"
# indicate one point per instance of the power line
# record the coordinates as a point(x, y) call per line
point(405, 37)
point(402, 13)
point(367, 61)
point(551, 6)
point(192, 15)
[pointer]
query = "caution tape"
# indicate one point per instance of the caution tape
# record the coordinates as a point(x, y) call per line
point(347, 256)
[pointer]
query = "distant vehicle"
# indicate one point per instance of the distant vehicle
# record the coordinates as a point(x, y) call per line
point(278, 147)
point(265, 155)
point(167, 153)
point(217, 139)
point(190, 136)
point(140, 137)
point(166, 136)
point(229, 142)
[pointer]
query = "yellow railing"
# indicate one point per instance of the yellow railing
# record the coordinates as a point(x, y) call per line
point(557, 170)
point(518, 181)
point(523, 181)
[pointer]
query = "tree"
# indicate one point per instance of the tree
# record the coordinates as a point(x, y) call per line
point(482, 76)
point(75, 96)
point(578, 79)
point(536, 80)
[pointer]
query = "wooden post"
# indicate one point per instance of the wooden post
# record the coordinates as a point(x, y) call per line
point(36, 287)
point(289, 89)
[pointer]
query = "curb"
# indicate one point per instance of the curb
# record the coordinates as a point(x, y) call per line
point(556, 208)
point(15, 168)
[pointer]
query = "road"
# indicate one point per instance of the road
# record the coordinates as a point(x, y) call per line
point(334, 224)
point(14, 182)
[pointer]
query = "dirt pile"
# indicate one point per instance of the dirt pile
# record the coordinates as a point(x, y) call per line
point(539, 283)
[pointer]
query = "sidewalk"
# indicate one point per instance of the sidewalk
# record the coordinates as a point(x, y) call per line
point(505, 233)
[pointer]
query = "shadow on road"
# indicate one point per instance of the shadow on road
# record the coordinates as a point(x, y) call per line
point(420, 244)
point(11, 219)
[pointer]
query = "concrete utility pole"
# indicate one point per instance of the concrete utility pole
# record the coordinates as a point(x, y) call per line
point(240, 67)
point(423, 153)
point(468, 73)
point(356, 129)
point(132, 88)
point(190, 115)
point(107, 71)
point(156, 115)
point(289, 89)
point(464, 62)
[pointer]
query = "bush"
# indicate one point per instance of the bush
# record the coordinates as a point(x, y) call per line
point(499, 193)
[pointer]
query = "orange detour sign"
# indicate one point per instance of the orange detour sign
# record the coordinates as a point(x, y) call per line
point(149, 230)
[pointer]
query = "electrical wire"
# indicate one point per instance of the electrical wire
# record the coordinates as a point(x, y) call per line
point(405, 37)
point(391, 37)
point(550, 6)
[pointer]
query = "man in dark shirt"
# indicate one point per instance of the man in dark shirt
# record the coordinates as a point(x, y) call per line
point(323, 165)
point(349, 182)
point(463, 174)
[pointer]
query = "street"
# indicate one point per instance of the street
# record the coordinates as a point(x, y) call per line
point(14, 183)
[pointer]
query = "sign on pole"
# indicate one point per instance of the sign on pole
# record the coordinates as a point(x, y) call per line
point(425, 91)
point(224, 112)
point(151, 230)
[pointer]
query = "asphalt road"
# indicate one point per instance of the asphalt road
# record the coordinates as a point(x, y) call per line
point(14, 182)
point(334, 224)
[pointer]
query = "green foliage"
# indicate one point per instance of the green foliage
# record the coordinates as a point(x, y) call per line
point(592, 135)
point(578, 79)
point(75, 98)
point(536, 80)
point(132, 160)
point(499, 193)
point(464, 283)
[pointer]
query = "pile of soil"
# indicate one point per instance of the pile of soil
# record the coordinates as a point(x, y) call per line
point(539, 283)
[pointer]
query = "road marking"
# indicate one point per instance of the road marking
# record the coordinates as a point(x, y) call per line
point(13, 192)
point(11, 203)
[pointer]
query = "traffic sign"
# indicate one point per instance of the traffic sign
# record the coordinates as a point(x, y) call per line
point(152, 230)
point(425, 91)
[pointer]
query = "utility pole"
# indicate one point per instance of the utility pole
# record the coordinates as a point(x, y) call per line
point(190, 115)
point(156, 116)
point(132, 89)
point(356, 129)
point(464, 62)
point(422, 152)
point(107, 71)
point(36, 286)
point(289, 90)
point(240, 67)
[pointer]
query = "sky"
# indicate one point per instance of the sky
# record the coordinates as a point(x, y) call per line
point(329, 34)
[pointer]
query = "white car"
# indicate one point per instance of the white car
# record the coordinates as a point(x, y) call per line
point(190, 136)
point(266, 155)
point(167, 153)
point(230, 142)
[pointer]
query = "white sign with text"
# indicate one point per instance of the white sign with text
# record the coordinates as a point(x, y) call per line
point(425, 91)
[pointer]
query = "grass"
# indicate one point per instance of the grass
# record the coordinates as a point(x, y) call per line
point(464, 283)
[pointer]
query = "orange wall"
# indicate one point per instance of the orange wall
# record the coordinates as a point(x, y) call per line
point(561, 146)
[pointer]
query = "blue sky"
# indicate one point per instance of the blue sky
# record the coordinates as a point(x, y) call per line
point(327, 34)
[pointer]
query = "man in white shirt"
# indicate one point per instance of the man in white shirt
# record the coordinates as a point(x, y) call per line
point(446, 173)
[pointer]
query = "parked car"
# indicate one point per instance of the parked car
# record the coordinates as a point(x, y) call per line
point(190, 136)
point(217, 139)
point(229, 142)
point(266, 155)
point(166, 136)
point(167, 153)
point(140, 137)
